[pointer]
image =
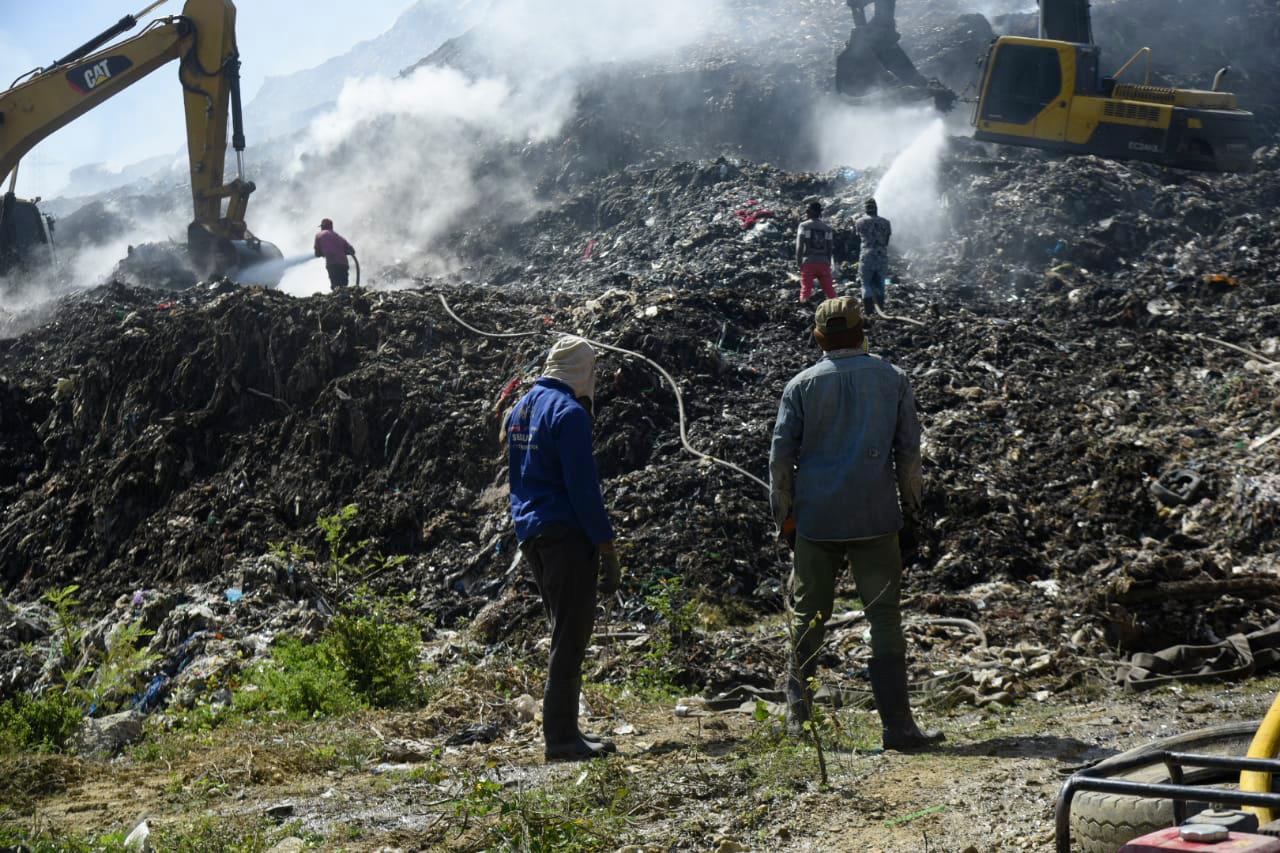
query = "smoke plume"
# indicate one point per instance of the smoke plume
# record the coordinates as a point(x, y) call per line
point(866, 137)
point(81, 262)
point(908, 143)
point(400, 164)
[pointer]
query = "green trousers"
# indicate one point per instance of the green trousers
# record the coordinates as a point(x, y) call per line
point(877, 569)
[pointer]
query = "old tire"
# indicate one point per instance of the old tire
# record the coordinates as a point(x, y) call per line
point(1103, 823)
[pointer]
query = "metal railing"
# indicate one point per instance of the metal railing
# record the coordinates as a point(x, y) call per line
point(1096, 779)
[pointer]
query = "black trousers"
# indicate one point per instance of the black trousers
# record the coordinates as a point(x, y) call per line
point(339, 276)
point(565, 565)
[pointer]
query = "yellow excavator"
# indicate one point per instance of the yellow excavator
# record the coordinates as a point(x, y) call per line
point(203, 41)
point(1049, 92)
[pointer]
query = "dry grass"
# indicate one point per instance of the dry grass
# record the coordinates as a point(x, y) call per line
point(25, 778)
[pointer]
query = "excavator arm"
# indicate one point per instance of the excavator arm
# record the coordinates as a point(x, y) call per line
point(873, 60)
point(202, 40)
point(1066, 20)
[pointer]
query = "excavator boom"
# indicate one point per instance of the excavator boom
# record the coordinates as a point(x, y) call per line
point(202, 40)
point(1066, 20)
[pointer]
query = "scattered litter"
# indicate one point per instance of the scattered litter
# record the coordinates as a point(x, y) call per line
point(139, 839)
point(526, 707)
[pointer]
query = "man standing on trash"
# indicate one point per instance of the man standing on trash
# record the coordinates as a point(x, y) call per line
point(845, 452)
point(815, 248)
point(873, 266)
point(563, 529)
point(331, 246)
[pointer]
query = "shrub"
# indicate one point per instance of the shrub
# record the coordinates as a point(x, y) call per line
point(122, 668)
point(366, 657)
point(378, 652)
point(676, 610)
point(41, 724)
point(301, 681)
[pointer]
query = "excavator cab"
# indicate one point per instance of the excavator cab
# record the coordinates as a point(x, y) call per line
point(26, 235)
point(1049, 92)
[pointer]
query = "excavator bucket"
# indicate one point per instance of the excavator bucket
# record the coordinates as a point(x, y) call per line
point(257, 262)
point(874, 67)
point(214, 255)
point(171, 266)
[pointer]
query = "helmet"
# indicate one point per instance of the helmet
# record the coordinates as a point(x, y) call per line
point(326, 224)
point(871, 206)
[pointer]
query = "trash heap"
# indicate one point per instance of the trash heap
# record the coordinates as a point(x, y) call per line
point(1095, 365)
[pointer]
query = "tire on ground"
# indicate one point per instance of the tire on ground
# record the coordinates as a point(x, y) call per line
point(1103, 823)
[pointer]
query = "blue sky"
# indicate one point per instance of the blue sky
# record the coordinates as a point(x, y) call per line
point(275, 37)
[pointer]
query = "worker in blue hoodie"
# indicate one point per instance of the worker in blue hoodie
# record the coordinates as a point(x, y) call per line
point(563, 529)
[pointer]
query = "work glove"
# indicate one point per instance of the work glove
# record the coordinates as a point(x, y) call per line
point(610, 573)
point(788, 532)
point(909, 540)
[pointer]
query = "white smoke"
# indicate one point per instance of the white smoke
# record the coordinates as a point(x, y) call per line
point(866, 137)
point(27, 298)
point(554, 37)
point(399, 164)
point(993, 8)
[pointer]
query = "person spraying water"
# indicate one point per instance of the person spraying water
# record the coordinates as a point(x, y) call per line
point(335, 249)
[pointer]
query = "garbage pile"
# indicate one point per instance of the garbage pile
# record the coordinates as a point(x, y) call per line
point(1069, 360)
point(1095, 364)
point(195, 638)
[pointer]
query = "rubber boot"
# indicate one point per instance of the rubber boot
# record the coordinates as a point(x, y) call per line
point(889, 685)
point(564, 743)
point(575, 689)
point(799, 700)
point(605, 745)
point(563, 740)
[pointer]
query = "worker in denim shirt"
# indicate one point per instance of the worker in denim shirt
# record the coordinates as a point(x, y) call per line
point(845, 484)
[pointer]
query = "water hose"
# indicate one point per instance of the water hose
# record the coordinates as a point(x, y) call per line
point(684, 433)
point(1266, 743)
point(884, 316)
point(670, 380)
point(356, 261)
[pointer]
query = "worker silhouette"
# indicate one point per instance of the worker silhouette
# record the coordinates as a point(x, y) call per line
point(334, 248)
point(873, 266)
point(815, 249)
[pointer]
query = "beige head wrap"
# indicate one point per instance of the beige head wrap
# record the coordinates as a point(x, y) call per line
point(573, 362)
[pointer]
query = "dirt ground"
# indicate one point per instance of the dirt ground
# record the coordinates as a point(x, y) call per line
point(677, 783)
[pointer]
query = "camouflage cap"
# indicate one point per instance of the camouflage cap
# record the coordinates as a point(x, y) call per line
point(838, 315)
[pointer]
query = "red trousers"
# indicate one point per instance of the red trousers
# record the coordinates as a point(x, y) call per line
point(821, 272)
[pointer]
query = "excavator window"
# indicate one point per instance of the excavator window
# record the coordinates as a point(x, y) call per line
point(1024, 80)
